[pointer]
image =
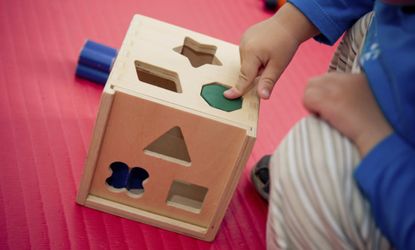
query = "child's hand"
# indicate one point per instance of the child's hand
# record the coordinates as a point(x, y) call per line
point(266, 49)
point(347, 103)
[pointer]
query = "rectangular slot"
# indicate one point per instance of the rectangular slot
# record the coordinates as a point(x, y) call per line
point(159, 77)
point(186, 196)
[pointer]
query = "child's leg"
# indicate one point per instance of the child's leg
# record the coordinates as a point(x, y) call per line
point(314, 201)
point(345, 58)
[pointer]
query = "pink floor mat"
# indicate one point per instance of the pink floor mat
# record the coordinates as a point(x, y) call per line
point(47, 116)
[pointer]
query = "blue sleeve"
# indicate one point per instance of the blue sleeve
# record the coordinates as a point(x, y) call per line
point(333, 17)
point(386, 177)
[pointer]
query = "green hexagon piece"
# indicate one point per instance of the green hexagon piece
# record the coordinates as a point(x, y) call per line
point(213, 94)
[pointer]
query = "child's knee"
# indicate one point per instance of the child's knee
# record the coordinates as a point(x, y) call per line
point(313, 147)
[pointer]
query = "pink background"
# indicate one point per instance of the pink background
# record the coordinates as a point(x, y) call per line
point(47, 116)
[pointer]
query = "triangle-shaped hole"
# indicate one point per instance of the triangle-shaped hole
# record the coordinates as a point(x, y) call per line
point(171, 146)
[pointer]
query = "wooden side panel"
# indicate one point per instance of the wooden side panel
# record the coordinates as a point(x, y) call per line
point(94, 149)
point(132, 213)
point(231, 186)
point(214, 150)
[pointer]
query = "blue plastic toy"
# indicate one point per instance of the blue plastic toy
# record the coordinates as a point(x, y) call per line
point(95, 62)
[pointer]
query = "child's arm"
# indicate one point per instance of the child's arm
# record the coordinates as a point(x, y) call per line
point(345, 100)
point(333, 17)
point(386, 174)
point(267, 47)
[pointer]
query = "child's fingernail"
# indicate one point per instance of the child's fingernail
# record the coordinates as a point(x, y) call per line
point(229, 93)
point(265, 93)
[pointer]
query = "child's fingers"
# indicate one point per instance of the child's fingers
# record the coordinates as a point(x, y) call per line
point(313, 95)
point(249, 70)
point(268, 78)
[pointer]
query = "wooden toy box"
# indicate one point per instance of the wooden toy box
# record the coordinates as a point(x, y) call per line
point(161, 152)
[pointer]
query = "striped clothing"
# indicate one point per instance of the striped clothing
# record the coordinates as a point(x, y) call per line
point(314, 200)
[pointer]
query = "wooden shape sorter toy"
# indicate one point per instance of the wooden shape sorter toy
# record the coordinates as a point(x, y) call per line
point(168, 149)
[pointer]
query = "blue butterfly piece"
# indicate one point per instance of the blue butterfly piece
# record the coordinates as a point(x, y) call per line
point(124, 177)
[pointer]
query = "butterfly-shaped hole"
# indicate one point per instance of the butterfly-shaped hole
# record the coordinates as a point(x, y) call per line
point(125, 179)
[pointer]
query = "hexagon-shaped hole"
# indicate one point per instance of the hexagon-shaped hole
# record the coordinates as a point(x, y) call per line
point(159, 77)
point(212, 93)
point(198, 54)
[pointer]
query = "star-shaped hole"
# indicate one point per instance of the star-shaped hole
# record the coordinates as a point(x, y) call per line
point(198, 54)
